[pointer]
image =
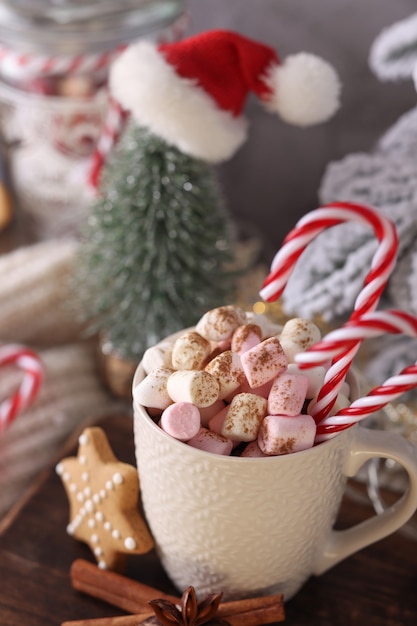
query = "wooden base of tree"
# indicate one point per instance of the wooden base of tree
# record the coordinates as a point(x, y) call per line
point(116, 371)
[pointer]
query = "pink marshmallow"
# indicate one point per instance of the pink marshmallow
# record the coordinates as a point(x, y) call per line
point(263, 362)
point(181, 420)
point(245, 387)
point(287, 395)
point(253, 451)
point(227, 369)
point(211, 442)
point(246, 337)
point(207, 412)
point(244, 416)
point(315, 376)
point(280, 434)
point(216, 422)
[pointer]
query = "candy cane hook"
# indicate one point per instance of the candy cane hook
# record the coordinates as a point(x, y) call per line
point(383, 261)
point(29, 362)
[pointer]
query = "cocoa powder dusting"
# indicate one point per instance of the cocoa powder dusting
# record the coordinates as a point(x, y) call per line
point(224, 319)
point(287, 446)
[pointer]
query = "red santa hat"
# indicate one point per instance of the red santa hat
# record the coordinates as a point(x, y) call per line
point(192, 93)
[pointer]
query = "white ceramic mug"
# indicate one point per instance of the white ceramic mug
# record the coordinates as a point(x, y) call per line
point(249, 526)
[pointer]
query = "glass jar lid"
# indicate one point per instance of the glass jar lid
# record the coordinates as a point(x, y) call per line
point(73, 27)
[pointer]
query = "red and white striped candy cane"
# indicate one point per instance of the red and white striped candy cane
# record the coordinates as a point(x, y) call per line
point(369, 326)
point(29, 362)
point(110, 133)
point(22, 65)
point(383, 261)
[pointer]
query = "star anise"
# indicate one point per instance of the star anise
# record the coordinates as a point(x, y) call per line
point(190, 612)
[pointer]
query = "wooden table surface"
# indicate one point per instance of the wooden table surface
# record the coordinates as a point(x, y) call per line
point(377, 587)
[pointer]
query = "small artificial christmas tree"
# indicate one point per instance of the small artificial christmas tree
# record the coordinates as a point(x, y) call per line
point(158, 241)
point(156, 244)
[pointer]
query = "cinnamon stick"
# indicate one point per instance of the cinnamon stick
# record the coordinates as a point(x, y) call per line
point(255, 617)
point(123, 620)
point(126, 594)
point(133, 597)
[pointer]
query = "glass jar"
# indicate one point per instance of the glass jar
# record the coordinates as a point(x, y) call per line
point(54, 62)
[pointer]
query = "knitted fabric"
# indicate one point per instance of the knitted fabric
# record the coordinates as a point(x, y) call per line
point(35, 310)
point(34, 304)
point(331, 271)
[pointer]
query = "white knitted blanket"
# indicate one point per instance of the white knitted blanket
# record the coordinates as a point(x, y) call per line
point(35, 309)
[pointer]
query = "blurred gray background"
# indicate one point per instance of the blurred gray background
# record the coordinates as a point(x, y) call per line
point(274, 178)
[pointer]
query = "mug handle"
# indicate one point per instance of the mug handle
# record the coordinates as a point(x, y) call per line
point(366, 445)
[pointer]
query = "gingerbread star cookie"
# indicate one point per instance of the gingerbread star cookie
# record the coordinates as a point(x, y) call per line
point(103, 495)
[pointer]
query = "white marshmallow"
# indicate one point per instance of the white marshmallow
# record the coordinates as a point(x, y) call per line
point(297, 335)
point(152, 390)
point(227, 369)
point(246, 337)
point(190, 351)
point(157, 356)
point(245, 414)
point(219, 324)
point(195, 386)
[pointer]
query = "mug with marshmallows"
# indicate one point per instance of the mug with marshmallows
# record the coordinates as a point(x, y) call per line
point(245, 500)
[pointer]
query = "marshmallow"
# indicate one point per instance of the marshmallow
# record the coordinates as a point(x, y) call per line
point(181, 420)
point(219, 324)
point(253, 451)
point(245, 387)
point(211, 442)
point(190, 351)
point(216, 421)
point(227, 369)
point(315, 376)
point(264, 362)
point(195, 386)
point(287, 395)
point(297, 335)
point(279, 434)
point(152, 390)
point(268, 328)
point(246, 337)
point(341, 402)
point(244, 416)
point(207, 412)
point(157, 356)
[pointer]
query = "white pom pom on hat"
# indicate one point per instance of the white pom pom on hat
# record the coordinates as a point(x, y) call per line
point(192, 92)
